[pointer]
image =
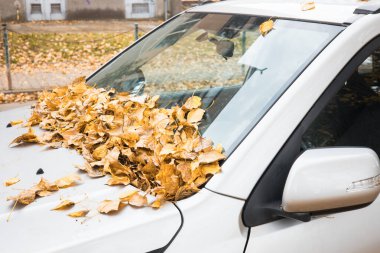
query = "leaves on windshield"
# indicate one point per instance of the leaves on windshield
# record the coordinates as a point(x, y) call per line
point(129, 138)
point(266, 27)
point(308, 6)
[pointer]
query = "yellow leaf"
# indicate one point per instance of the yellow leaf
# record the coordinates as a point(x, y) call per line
point(308, 6)
point(11, 181)
point(192, 103)
point(15, 122)
point(78, 214)
point(29, 137)
point(210, 157)
point(100, 152)
point(25, 197)
point(107, 206)
point(114, 180)
point(137, 200)
point(266, 27)
point(67, 181)
point(195, 115)
point(65, 204)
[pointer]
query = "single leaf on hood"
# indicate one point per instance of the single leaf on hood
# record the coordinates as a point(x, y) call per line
point(158, 202)
point(28, 137)
point(308, 6)
point(210, 169)
point(78, 214)
point(192, 103)
point(115, 180)
point(195, 115)
point(266, 27)
point(91, 172)
point(12, 181)
point(210, 157)
point(124, 197)
point(15, 122)
point(67, 181)
point(65, 204)
point(107, 206)
point(137, 200)
point(25, 197)
point(44, 185)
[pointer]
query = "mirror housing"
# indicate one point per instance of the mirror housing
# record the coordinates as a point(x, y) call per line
point(330, 178)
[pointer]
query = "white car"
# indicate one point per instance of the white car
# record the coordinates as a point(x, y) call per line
point(297, 110)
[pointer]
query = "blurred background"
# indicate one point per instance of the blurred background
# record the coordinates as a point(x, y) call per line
point(47, 43)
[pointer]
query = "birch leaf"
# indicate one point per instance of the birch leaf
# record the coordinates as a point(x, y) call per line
point(107, 206)
point(266, 27)
point(78, 214)
point(65, 204)
point(12, 181)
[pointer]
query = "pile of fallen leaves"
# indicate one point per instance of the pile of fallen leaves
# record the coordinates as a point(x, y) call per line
point(17, 97)
point(158, 150)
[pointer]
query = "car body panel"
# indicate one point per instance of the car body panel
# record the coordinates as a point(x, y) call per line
point(35, 228)
point(350, 232)
point(212, 223)
point(325, 11)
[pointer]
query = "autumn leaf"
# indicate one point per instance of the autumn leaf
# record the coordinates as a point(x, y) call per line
point(114, 180)
point(192, 103)
point(107, 206)
point(266, 27)
point(308, 6)
point(195, 115)
point(11, 181)
point(134, 198)
point(100, 152)
point(25, 197)
point(29, 137)
point(65, 204)
point(15, 122)
point(78, 214)
point(210, 157)
point(67, 181)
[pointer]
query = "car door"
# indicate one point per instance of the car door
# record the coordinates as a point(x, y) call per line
point(347, 114)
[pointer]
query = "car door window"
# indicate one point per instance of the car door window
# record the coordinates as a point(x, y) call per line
point(352, 116)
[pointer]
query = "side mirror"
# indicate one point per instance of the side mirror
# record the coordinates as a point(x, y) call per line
point(331, 178)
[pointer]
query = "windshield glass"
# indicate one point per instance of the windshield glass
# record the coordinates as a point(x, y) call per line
point(223, 59)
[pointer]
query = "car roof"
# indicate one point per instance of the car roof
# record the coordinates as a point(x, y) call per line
point(325, 11)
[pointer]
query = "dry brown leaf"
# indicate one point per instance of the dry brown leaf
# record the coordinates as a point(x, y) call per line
point(78, 214)
point(67, 181)
point(137, 200)
point(25, 197)
point(192, 103)
point(308, 6)
point(210, 157)
point(107, 206)
point(28, 137)
point(44, 193)
point(65, 204)
point(266, 27)
point(195, 115)
point(114, 180)
point(16, 122)
point(100, 152)
point(12, 181)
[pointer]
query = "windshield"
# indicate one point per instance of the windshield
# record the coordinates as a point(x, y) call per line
point(223, 59)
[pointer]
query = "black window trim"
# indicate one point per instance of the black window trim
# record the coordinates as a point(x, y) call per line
point(264, 202)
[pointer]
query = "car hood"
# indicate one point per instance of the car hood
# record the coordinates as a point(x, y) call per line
point(35, 228)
